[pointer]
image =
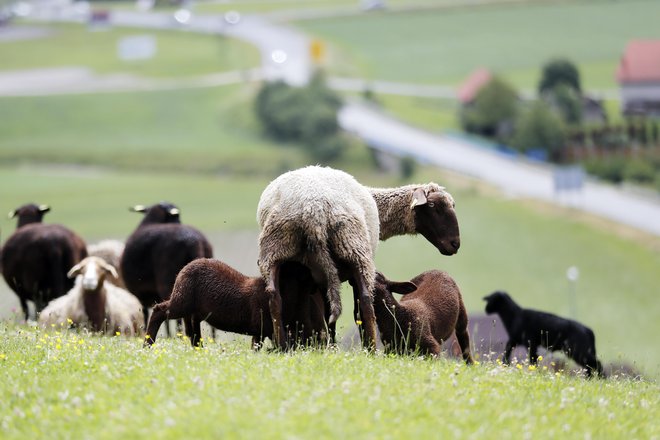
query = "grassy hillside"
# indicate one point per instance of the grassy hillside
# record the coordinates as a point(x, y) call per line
point(177, 53)
point(61, 384)
point(514, 40)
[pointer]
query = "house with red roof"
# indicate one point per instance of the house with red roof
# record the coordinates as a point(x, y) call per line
point(638, 75)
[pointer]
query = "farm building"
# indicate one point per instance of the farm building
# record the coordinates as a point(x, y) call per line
point(639, 78)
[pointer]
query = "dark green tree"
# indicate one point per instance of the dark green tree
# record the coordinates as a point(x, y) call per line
point(540, 127)
point(559, 71)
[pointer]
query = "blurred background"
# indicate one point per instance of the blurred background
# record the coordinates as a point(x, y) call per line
point(542, 118)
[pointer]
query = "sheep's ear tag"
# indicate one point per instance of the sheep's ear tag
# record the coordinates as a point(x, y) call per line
point(419, 198)
point(44, 208)
point(138, 208)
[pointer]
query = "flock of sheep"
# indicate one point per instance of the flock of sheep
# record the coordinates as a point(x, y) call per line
point(318, 227)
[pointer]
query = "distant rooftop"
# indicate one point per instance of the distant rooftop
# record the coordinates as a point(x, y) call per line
point(471, 86)
point(640, 62)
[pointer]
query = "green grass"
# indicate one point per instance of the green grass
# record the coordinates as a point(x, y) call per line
point(445, 45)
point(178, 54)
point(62, 384)
point(207, 130)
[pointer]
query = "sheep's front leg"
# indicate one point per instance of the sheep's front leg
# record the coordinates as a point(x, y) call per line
point(507, 352)
point(533, 354)
point(275, 306)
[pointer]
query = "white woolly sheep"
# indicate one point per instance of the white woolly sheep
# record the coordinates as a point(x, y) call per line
point(95, 303)
point(110, 251)
point(326, 220)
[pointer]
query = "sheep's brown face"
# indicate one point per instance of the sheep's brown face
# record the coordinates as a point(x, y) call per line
point(436, 220)
point(29, 213)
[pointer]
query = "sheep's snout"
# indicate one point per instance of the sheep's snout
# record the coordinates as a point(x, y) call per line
point(90, 278)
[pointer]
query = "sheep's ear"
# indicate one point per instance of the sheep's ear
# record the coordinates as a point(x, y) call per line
point(418, 198)
point(12, 214)
point(174, 211)
point(109, 268)
point(138, 208)
point(75, 270)
point(44, 208)
point(403, 288)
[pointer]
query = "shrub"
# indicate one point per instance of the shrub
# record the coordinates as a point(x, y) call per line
point(639, 171)
point(608, 168)
point(567, 101)
point(540, 128)
point(305, 115)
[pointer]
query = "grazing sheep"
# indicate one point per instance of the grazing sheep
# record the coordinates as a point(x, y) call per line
point(326, 220)
point(157, 250)
point(210, 290)
point(110, 251)
point(533, 328)
point(95, 303)
point(430, 311)
point(37, 256)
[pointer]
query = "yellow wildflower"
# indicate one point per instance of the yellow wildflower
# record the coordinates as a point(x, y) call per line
point(531, 367)
point(69, 321)
point(518, 366)
point(117, 333)
point(540, 358)
point(3, 356)
point(358, 322)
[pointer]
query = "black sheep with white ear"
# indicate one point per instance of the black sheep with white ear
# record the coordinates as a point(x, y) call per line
point(157, 250)
point(37, 256)
point(533, 328)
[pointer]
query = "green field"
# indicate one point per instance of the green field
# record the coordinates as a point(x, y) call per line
point(512, 40)
point(60, 384)
point(177, 53)
point(92, 156)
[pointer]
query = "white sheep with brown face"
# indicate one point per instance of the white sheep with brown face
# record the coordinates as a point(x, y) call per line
point(325, 219)
point(95, 302)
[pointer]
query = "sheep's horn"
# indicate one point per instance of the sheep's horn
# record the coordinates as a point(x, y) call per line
point(138, 208)
point(44, 208)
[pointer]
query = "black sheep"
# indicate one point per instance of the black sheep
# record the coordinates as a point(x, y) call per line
point(533, 328)
point(157, 250)
point(37, 256)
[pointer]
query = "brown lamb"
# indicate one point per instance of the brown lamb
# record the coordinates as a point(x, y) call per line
point(430, 311)
point(212, 291)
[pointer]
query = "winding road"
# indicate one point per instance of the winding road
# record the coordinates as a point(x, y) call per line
point(285, 55)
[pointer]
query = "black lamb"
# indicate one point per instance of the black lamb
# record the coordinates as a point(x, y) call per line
point(533, 328)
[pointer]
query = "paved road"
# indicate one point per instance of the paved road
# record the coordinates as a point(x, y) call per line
point(382, 132)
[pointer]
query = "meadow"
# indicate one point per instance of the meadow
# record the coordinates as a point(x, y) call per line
point(92, 156)
point(61, 384)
